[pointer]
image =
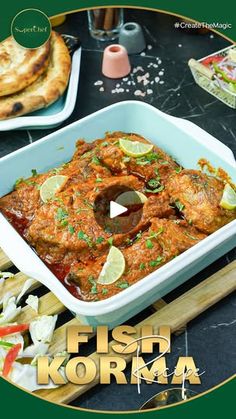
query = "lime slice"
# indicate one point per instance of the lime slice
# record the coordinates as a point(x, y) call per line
point(228, 200)
point(131, 198)
point(135, 148)
point(113, 268)
point(52, 185)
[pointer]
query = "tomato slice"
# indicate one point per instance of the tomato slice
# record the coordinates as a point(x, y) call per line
point(10, 359)
point(210, 60)
point(16, 328)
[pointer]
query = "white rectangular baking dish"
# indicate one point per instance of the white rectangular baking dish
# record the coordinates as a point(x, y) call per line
point(180, 138)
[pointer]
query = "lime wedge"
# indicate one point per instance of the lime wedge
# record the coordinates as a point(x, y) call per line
point(228, 200)
point(113, 268)
point(131, 198)
point(135, 148)
point(52, 185)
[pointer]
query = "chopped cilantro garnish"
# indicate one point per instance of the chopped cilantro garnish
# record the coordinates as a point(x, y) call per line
point(96, 160)
point(190, 236)
point(18, 181)
point(64, 223)
point(152, 157)
point(179, 205)
point(104, 291)
point(61, 214)
point(178, 169)
point(104, 144)
point(156, 262)
point(122, 284)
point(157, 190)
point(164, 162)
point(99, 179)
point(126, 159)
point(138, 235)
point(85, 237)
point(100, 240)
point(149, 244)
point(154, 235)
point(86, 202)
point(92, 281)
point(56, 170)
point(148, 159)
point(34, 172)
point(154, 183)
point(71, 229)
point(142, 266)
point(110, 241)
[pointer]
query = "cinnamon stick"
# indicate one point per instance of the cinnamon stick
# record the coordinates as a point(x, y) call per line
point(98, 18)
point(108, 20)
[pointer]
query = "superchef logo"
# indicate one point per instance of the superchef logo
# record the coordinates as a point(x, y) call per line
point(31, 29)
point(112, 358)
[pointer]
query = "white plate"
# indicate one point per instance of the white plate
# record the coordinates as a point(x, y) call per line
point(56, 113)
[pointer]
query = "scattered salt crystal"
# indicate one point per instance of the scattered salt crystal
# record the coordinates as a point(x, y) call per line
point(127, 90)
point(152, 82)
point(125, 79)
point(129, 83)
point(149, 47)
point(113, 91)
point(159, 61)
point(161, 82)
point(178, 94)
point(145, 82)
point(157, 79)
point(149, 91)
point(139, 68)
point(155, 65)
point(161, 73)
point(101, 89)
point(180, 45)
point(143, 54)
point(117, 85)
point(98, 83)
point(212, 36)
point(139, 93)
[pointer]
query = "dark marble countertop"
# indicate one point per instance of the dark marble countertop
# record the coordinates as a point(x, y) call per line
point(210, 338)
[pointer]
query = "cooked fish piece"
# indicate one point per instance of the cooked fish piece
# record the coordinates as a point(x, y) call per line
point(25, 199)
point(164, 240)
point(156, 166)
point(65, 229)
point(198, 197)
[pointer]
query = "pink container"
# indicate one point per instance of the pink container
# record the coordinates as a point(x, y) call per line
point(115, 63)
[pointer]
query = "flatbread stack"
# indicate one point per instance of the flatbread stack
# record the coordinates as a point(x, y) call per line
point(31, 79)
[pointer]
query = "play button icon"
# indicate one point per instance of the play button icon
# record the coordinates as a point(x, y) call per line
point(116, 209)
point(114, 217)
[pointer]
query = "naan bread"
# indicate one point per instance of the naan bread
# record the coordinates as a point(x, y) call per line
point(46, 89)
point(19, 67)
